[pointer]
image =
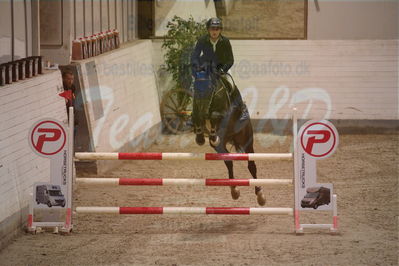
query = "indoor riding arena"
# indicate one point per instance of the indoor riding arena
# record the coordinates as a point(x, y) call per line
point(100, 155)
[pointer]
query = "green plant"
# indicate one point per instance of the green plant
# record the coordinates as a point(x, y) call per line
point(179, 43)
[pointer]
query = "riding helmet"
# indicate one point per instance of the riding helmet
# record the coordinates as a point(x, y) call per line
point(214, 22)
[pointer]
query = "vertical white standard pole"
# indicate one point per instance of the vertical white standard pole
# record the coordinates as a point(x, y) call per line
point(68, 218)
point(334, 228)
point(30, 228)
point(297, 225)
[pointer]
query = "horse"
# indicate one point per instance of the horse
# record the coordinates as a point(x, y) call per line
point(230, 124)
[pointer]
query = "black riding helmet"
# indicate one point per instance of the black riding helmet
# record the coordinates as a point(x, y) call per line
point(214, 22)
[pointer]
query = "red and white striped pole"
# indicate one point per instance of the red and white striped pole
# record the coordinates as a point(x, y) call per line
point(182, 156)
point(334, 227)
point(177, 182)
point(185, 210)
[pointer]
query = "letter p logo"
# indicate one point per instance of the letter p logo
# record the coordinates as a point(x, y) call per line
point(319, 139)
point(325, 136)
point(54, 135)
point(47, 138)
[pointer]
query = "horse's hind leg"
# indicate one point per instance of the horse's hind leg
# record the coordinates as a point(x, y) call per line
point(235, 193)
point(252, 169)
point(258, 190)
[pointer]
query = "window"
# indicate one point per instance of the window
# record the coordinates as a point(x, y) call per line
point(269, 19)
point(243, 19)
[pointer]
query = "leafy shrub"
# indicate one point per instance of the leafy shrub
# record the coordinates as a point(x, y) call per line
point(179, 43)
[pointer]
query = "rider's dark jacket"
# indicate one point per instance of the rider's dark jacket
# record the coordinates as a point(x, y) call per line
point(204, 57)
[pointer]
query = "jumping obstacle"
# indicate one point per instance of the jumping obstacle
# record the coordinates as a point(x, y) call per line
point(182, 156)
point(178, 182)
point(297, 177)
point(185, 210)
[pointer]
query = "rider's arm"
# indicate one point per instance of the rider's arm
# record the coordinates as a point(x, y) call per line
point(229, 57)
point(195, 56)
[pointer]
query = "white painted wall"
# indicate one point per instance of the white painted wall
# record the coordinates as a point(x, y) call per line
point(164, 79)
point(352, 20)
point(335, 79)
point(131, 121)
point(21, 105)
point(129, 97)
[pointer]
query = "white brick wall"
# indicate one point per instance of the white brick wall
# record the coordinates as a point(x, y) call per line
point(128, 94)
point(336, 79)
point(22, 104)
point(367, 20)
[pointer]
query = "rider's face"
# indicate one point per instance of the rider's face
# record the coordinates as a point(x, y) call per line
point(214, 32)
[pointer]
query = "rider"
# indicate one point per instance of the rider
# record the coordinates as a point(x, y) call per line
point(213, 54)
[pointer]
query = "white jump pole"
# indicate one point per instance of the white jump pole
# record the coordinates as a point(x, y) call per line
point(186, 210)
point(181, 181)
point(204, 182)
point(182, 156)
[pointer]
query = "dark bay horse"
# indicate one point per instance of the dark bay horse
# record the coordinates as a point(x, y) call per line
point(230, 126)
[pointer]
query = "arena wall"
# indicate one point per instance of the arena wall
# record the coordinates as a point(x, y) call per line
point(353, 20)
point(338, 79)
point(121, 101)
point(343, 80)
point(22, 104)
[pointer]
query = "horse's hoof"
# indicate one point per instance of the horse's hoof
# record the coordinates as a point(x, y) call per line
point(261, 198)
point(199, 139)
point(235, 193)
point(214, 140)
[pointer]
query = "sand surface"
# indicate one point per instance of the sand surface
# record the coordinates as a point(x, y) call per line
point(365, 177)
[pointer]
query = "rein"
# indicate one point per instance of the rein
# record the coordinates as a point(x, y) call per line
point(225, 87)
point(216, 91)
